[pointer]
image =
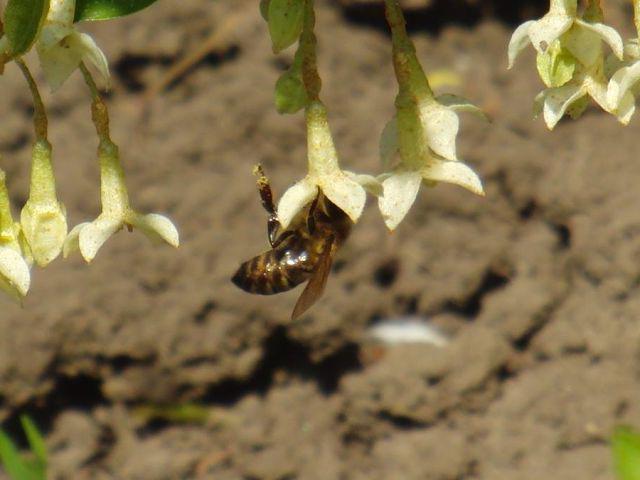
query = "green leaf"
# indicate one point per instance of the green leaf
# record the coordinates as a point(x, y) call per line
point(285, 19)
point(264, 9)
point(34, 437)
point(625, 445)
point(106, 9)
point(181, 413)
point(11, 460)
point(22, 22)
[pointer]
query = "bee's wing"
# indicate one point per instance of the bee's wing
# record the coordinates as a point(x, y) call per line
point(315, 286)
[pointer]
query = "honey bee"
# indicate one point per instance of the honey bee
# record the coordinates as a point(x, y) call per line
point(302, 252)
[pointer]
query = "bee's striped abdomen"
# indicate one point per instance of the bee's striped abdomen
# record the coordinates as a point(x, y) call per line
point(273, 272)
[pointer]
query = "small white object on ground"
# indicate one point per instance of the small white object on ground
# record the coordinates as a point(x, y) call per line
point(409, 329)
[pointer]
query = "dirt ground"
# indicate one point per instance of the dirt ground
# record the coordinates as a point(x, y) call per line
point(538, 284)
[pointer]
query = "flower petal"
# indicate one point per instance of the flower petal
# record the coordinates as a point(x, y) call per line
point(389, 142)
point(71, 243)
point(400, 192)
point(563, 7)
point(14, 272)
point(632, 49)
point(519, 40)
point(457, 173)
point(58, 63)
point(45, 229)
point(626, 108)
point(91, 52)
point(620, 84)
point(441, 127)
point(609, 34)
point(548, 29)
point(460, 104)
point(157, 227)
point(557, 100)
point(597, 90)
point(93, 235)
point(348, 195)
point(52, 34)
point(368, 182)
point(295, 199)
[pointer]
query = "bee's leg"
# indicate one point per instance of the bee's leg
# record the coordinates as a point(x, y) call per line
point(266, 195)
point(311, 217)
point(283, 236)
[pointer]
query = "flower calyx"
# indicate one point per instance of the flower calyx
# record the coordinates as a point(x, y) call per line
point(117, 213)
point(345, 189)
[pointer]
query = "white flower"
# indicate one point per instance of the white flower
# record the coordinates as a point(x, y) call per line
point(14, 269)
point(623, 84)
point(425, 136)
point(571, 61)
point(344, 189)
point(581, 38)
point(571, 98)
point(116, 213)
point(61, 47)
point(43, 218)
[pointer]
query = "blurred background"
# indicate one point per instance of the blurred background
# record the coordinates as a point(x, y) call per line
point(150, 364)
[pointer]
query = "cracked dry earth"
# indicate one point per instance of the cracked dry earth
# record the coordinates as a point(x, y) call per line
point(538, 284)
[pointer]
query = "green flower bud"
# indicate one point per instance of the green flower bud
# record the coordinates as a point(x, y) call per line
point(290, 94)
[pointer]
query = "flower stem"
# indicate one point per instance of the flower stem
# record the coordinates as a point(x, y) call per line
point(40, 114)
point(636, 15)
point(308, 44)
point(113, 191)
point(409, 72)
point(593, 12)
point(99, 111)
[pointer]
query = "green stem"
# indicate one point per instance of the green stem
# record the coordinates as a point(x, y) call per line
point(40, 114)
point(411, 78)
point(99, 111)
point(636, 15)
point(113, 191)
point(308, 44)
point(593, 12)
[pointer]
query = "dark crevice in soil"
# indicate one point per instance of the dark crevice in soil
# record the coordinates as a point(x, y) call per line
point(505, 372)
point(442, 13)
point(129, 67)
point(119, 363)
point(401, 422)
point(528, 211)
point(387, 273)
point(563, 233)
point(203, 313)
point(80, 392)
point(20, 141)
point(523, 342)
point(283, 354)
point(470, 306)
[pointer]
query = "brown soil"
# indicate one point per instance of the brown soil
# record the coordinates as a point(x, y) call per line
point(538, 283)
